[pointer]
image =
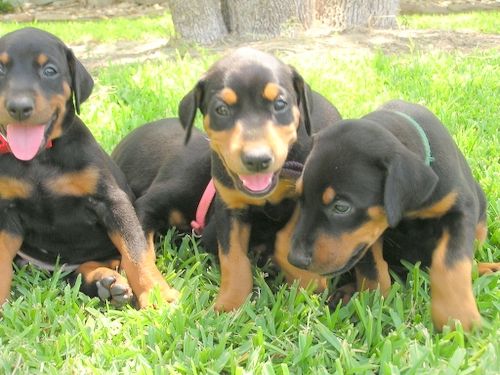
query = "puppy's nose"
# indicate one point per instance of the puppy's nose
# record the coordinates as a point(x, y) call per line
point(299, 258)
point(20, 108)
point(257, 160)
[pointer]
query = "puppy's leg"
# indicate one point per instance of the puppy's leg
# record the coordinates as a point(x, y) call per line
point(9, 246)
point(137, 252)
point(342, 294)
point(157, 211)
point(485, 268)
point(141, 270)
point(233, 236)
point(481, 233)
point(292, 273)
point(451, 282)
point(103, 279)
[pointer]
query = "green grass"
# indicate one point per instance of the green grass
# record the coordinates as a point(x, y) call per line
point(5, 7)
point(102, 31)
point(50, 328)
point(484, 22)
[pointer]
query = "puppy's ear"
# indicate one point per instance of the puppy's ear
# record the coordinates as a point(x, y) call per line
point(188, 106)
point(408, 184)
point(303, 92)
point(81, 81)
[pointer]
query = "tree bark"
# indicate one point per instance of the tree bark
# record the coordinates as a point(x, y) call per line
point(206, 21)
point(349, 14)
point(266, 17)
point(198, 21)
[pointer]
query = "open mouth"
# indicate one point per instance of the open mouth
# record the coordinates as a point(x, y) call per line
point(258, 184)
point(26, 140)
point(356, 256)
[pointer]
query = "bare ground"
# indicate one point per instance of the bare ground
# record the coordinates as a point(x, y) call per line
point(364, 42)
point(95, 55)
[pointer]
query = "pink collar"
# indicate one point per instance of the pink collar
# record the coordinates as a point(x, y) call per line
point(201, 212)
point(5, 148)
point(291, 170)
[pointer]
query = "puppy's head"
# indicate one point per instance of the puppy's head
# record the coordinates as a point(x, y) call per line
point(41, 82)
point(358, 181)
point(252, 106)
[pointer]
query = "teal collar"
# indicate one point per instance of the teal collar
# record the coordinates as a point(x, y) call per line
point(425, 141)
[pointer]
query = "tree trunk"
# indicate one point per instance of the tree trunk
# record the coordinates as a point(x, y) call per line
point(266, 17)
point(350, 14)
point(206, 21)
point(198, 21)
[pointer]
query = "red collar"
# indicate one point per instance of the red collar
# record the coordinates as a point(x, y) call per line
point(201, 212)
point(5, 148)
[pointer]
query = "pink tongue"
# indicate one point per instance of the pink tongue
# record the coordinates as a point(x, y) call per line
point(25, 140)
point(257, 182)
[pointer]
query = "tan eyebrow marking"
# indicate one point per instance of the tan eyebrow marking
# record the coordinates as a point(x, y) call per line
point(271, 91)
point(328, 196)
point(4, 58)
point(229, 96)
point(42, 59)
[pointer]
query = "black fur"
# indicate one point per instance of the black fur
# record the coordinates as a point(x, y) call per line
point(62, 218)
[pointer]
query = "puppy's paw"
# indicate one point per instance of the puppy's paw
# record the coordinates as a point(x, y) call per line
point(166, 293)
point(485, 268)
point(115, 289)
point(169, 294)
point(226, 303)
point(342, 295)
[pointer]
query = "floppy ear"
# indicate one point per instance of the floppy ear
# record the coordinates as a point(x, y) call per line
point(303, 92)
point(81, 81)
point(188, 107)
point(408, 184)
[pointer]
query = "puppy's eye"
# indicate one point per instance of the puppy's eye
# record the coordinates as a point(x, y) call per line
point(222, 110)
point(341, 207)
point(280, 104)
point(49, 71)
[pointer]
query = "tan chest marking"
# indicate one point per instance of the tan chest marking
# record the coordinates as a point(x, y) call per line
point(78, 184)
point(12, 188)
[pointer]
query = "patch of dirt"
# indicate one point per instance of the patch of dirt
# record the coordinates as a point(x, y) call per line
point(365, 42)
point(59, 10)
point(73, 10)
point(317, 39)
point(387, 41)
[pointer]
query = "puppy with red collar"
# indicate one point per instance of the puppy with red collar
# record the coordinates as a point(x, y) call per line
point(62, 199)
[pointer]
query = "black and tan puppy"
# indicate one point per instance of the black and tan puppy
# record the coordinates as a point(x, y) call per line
point(62, 199)
point(390, 186)
point(258, 114)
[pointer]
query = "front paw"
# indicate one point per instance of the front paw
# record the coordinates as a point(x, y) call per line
point(230, 301)
point(341, 295)
point(443, 313)
point(169, 294)
point(115, 289)
point(166, 293)
point(487, 268)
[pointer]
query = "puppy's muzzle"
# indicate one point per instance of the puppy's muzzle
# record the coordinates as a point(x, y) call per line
point(20, 107)
point(257, 160)
point(298, 257)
